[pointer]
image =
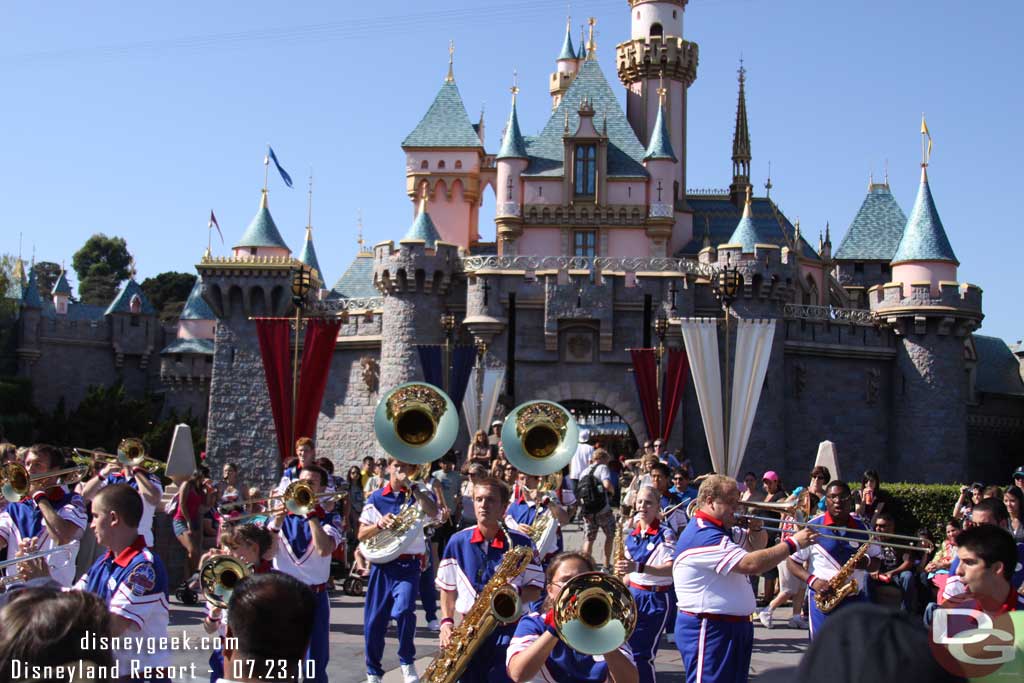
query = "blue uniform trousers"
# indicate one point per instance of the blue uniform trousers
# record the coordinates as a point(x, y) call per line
point(320, 642)
point(216, 665)
point(714, 651)
point(391, 594)
point(488, 664)
point(817, 617)
point(428, 593)
point(652, 609)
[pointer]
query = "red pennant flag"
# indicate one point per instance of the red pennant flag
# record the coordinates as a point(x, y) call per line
point(214, 224)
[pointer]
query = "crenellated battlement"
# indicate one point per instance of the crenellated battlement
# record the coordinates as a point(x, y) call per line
point(649, 57)
point(771, 273)
point(412, 266)
point(893, 296)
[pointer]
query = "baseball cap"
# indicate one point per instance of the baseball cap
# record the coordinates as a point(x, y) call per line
point(1019, 472)
point(584, 435)
point(771, 475)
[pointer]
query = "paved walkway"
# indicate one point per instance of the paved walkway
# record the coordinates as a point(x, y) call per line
point(776, 648)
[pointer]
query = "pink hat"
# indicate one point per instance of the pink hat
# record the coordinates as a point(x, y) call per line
point(771, 475)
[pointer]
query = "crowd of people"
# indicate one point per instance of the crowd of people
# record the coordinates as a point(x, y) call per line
point(704, 558)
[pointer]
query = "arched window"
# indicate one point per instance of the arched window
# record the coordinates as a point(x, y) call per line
point(424, 165)
point(135, 304)
point(440, 165)
point(586, 169)
point(458, 163)
point(656, 30)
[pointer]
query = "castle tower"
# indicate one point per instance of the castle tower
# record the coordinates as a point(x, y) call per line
point(445, 154)
point(61, 294)
point(134, 325)
point(740, 146)
point(863, 256)
point(660, 161)
point(414, 279)
point(512, 161)
point(28, 351)
point(262, 238)
point(566, 67)
point(656, 49)
point(308, 253)
point(932, 315)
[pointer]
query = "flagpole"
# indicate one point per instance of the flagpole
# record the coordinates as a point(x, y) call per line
point(266, 168)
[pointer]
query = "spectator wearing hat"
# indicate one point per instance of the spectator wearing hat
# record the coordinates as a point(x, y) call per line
point(1018, 479)
point(581, 458)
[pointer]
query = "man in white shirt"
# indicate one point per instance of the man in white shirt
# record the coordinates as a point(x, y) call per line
point(581, 458)
point(597, 518)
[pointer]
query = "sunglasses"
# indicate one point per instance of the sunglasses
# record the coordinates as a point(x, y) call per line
point(820, 477)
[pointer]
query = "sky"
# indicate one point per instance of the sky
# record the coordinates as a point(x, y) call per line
point(137, 119)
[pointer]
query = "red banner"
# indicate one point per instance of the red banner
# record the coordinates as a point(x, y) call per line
point(321, 336)
point(274, 336)
point(645, 373)
point(672, 391)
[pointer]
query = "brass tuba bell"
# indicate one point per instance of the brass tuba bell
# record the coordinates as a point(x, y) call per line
point(416, 423)
point(218, 577)
point(539, 437)
point(594, 613)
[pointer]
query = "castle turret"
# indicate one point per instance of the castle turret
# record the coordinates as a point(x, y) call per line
point(308, 256)
point(863, 257)
point(566, 67)
point(932, 315)
point(28, 350)
point(413, 278)
point(134, 325)
point(61, 294)
point(660, 162)
point(512, 160)
point(656, 50)
point(445, 154)
point(262, 238)
point(740, 146)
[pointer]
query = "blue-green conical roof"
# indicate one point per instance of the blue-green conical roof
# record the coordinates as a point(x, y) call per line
point(924, 238)
point(122, 303)
point(308, 255)
point(61, 286)
point(876, 230)
point(423, 229)
point(512, 144)
point(568, 52)
point(661, 142)
point(31, 298)
point(196, 307)
point(745, 233)
point(446, 123)
point(262, 231)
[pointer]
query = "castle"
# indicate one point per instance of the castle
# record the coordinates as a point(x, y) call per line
point(597, 237)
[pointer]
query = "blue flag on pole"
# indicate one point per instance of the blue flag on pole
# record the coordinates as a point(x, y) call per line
point(284, 174)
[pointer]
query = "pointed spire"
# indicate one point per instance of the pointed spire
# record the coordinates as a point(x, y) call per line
point(924, 238)
point(768, 183)
point(660, 146)
point(512, 144)
point(308, 253)
point(422, 227)
point(591, 43)
point(568, 51)
point(61, 286)
point(740, 142)
point(262, 231)
point(450, 78)
point(796, 235)
point(583, 43)
point(30, 297)
point(745, 235)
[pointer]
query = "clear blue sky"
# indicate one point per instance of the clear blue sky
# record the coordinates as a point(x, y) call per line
point(136, 119)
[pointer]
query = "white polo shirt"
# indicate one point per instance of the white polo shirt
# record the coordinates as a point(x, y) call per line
point(702, 569)
point(295, 553)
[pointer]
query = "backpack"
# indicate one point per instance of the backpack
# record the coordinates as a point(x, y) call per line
point(590, 493)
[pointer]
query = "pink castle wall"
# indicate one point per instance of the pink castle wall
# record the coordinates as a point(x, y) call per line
point(682, 232)
point(628, 242)
point(933, 272)
point(451, 216)
point(196, 329)
point(619, 192)
point(540, 242)
point(552, 193)
point(243, 253)
point(414, 161)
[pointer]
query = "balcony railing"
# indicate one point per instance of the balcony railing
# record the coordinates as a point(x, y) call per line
point(628, 264)
point(852, 316)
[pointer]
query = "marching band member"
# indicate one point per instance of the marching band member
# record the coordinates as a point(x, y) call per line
point(392, 588)
point(148, 485)
point(649, 546)
point(671, 503)
point(468, 563)
point(536, 653)
point(130, 578)
point(303, 549)
point(712, 563)
point(53, 515)
point(828, 555)
point(528, 503)
point(254, 546)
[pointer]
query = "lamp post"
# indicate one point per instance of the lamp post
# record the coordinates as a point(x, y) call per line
point(448, 325)
point(660, 329)
point(481, 351)
point(728, 287)
point(302, 282)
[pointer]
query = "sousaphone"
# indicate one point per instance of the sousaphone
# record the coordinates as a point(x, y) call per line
point(416, 423)
point(539, 437)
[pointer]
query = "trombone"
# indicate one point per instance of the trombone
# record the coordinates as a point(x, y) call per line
point(8, 581)
point(131, 452)
point(299, 498)
point(15, 481)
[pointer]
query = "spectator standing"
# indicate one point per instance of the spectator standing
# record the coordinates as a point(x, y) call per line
point(1018, 479)
point(480, 449)
point(870, 499)
point(581, 459)
point(969, 497)
point(1013, 499)
point(594, 488)
point(665, 456)
point(820, 476)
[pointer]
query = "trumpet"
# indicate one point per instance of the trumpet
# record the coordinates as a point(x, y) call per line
point(7, 581)
point(300, 499)
point(131, 452)
point(218, 577)
point(15, 482)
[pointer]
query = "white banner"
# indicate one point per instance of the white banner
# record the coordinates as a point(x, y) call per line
point(701, 338)
point(472, 410)
point(753, 351)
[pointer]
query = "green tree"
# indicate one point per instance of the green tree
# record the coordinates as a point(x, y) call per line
point(8, 265)
point(102, 264)
point(47, 273)
point(166, 290)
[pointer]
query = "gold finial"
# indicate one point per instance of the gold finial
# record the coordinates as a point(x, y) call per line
point(424, 198)
point(871, 180)
point(887, 173)
point(515, 85)
point(926, 143)
point(309, 207)
point(661, 87)
point(263, 199)
point(591, 45)
point(450, 78)
point(359, 232)
point(768, 183)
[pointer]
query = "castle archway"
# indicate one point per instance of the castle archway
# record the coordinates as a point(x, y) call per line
point(604, 411)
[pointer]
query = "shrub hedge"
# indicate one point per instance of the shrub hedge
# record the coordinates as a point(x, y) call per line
point(917, 506)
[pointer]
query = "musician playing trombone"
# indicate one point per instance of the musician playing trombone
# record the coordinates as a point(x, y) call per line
point(147, 484)
point(50, 513)
point(393, 586)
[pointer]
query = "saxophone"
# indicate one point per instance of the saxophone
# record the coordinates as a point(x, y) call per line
point(618, 549)
point(842, 585)
point(498, 603)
